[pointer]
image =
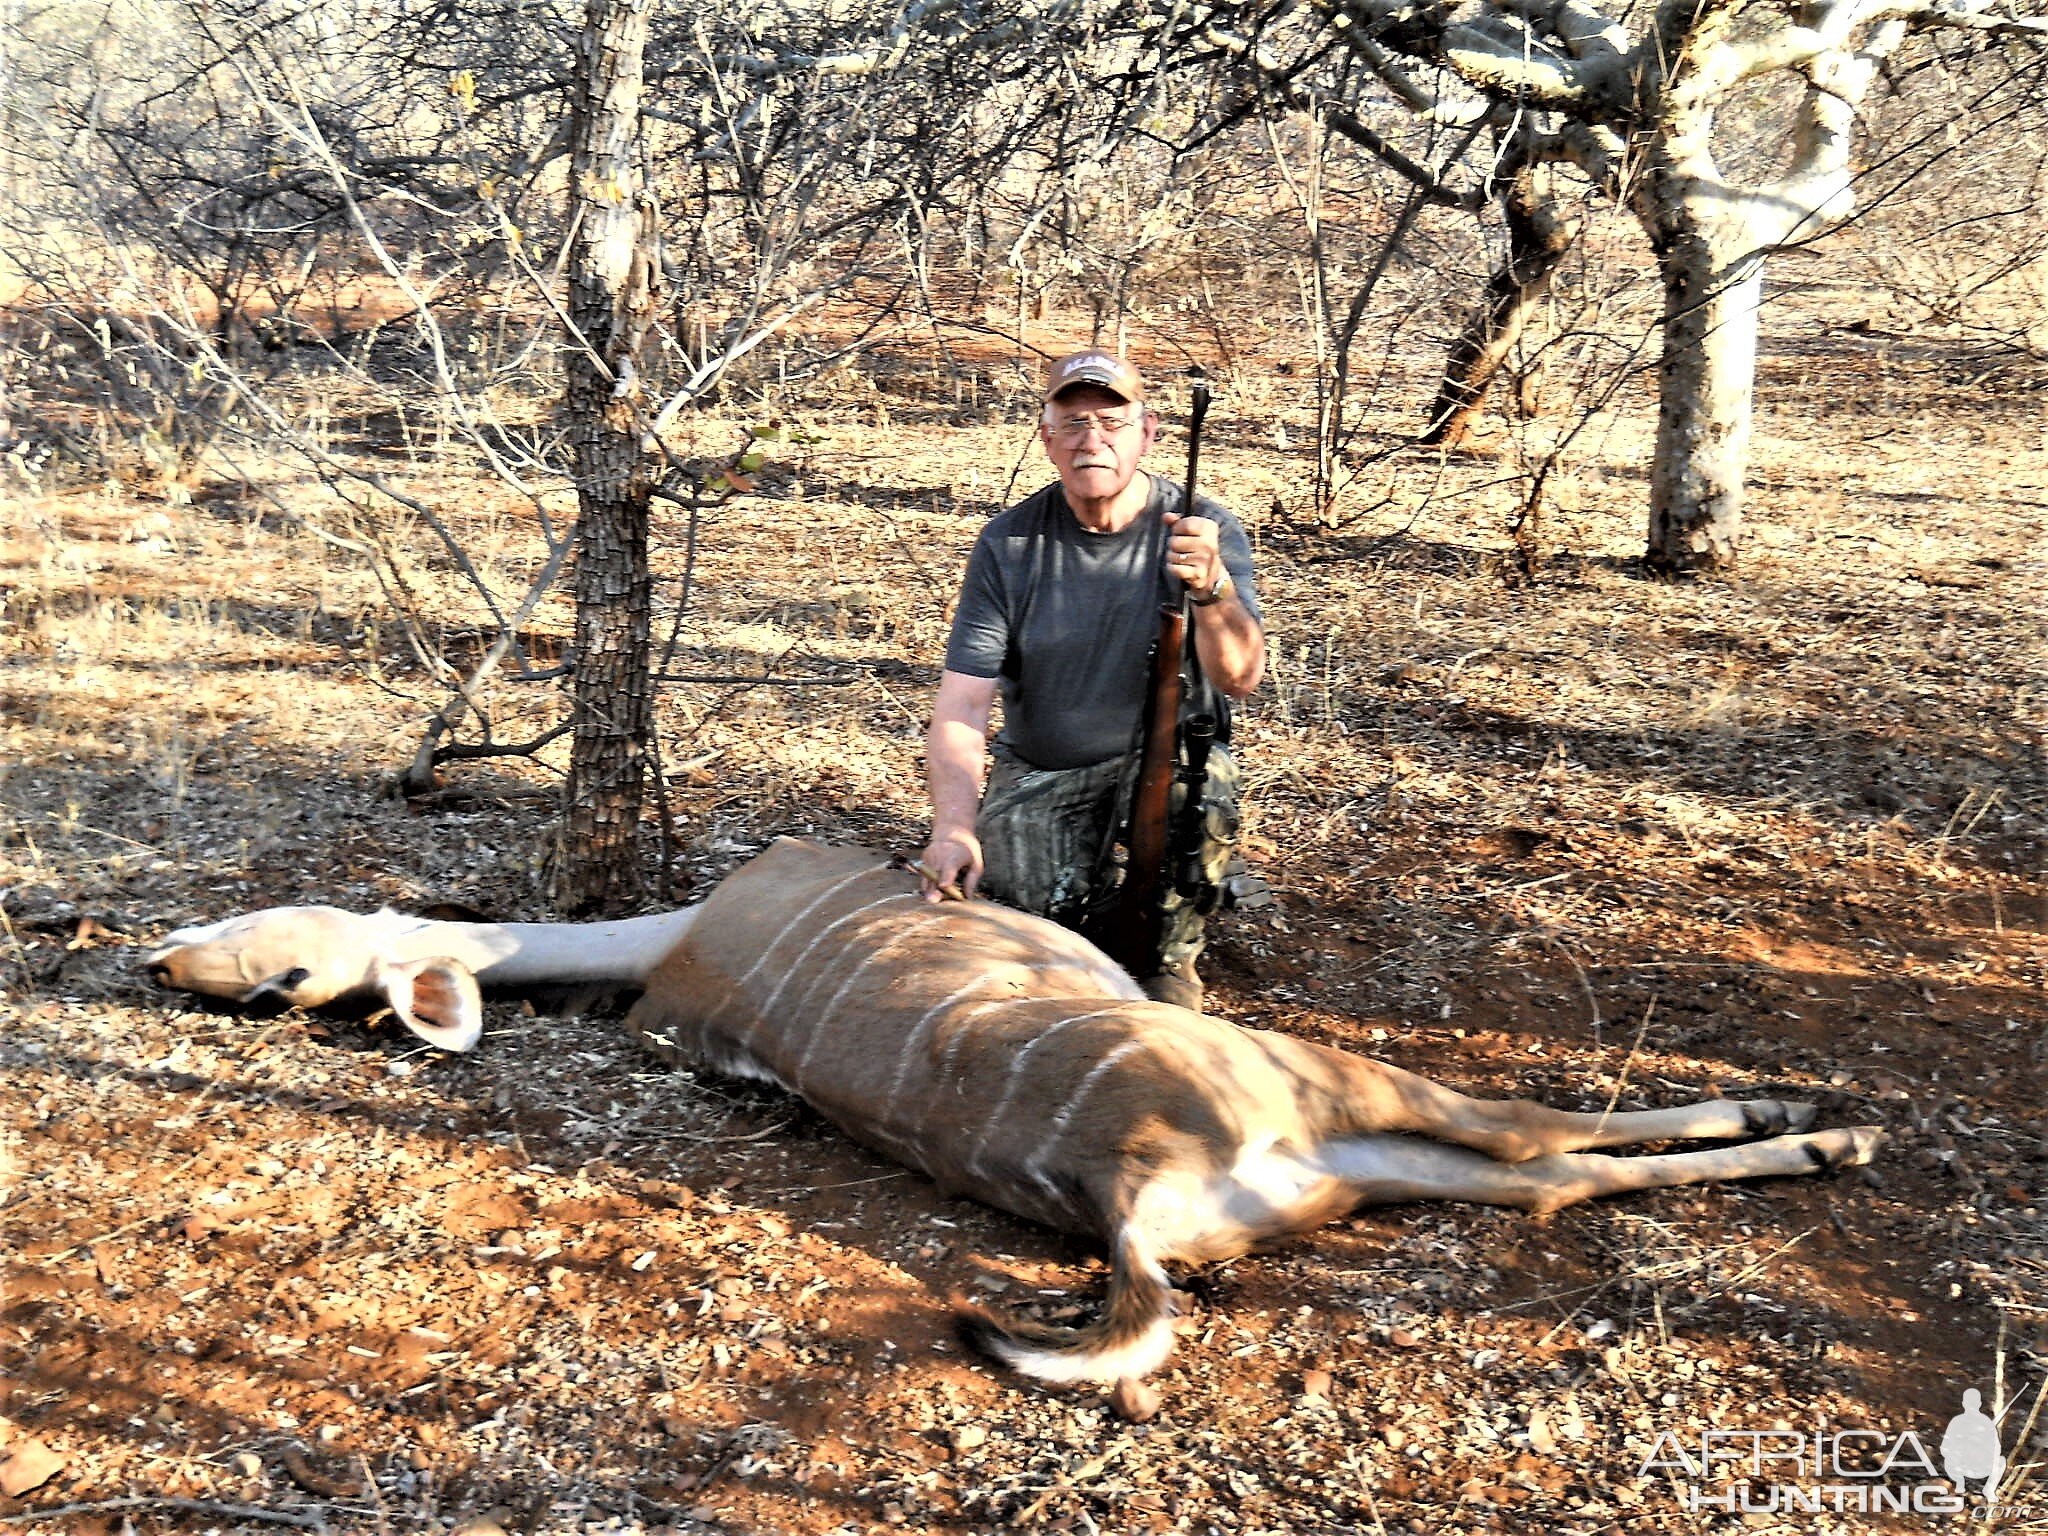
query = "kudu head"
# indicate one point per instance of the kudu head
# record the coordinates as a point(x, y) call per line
point(308, 957)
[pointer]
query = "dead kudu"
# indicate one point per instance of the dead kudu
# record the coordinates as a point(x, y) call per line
point(1010, 1060)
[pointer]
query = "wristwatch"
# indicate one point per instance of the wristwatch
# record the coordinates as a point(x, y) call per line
point(1215, 593)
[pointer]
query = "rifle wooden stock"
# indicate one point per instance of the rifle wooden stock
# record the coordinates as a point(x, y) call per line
point(1131, 931)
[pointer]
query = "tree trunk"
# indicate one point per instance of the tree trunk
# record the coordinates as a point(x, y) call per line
point(1711, 237)
point(611, 268)
point(1713, 288)
point(1539, 234)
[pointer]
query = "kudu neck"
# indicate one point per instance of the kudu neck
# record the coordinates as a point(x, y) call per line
point(625, 950)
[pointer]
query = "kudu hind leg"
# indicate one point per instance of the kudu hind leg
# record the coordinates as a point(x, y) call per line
point(1515, 1130)
point(1389, 1169)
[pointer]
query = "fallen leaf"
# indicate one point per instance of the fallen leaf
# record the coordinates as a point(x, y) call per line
point(29, 1465)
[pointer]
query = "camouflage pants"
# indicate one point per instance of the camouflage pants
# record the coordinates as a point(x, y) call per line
point(1049, 843)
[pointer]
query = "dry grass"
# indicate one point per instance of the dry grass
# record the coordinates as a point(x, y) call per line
point(1583, 836)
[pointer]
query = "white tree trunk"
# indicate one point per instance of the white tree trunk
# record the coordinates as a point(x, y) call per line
point(1711, 237)
point(1712, 292)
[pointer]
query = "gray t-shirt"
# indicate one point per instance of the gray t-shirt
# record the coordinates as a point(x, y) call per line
point(1066, 619)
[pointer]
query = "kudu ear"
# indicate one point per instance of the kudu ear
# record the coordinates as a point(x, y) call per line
point(437, 1000)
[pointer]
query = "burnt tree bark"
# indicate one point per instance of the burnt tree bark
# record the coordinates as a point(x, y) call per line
point(612, 266)
point(1540, 232)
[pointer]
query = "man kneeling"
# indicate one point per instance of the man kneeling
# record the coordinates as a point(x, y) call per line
point(1058, 613)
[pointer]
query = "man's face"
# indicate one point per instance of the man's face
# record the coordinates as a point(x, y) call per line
point(1095, 439)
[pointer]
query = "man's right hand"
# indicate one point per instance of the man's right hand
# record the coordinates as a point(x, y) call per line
point(954, 749)
point(951, 868)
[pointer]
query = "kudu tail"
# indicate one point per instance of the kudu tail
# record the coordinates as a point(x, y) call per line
point(1132, 1338)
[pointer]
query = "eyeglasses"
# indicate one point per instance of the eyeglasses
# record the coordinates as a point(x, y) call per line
point(1074, 428)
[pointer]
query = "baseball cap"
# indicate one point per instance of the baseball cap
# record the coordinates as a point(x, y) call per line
point(1105, 370)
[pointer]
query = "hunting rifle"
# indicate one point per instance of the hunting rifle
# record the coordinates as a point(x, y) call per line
point(1164, 851)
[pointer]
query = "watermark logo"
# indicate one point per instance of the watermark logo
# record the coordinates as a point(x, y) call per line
point(1970, 1449)
point(1846, 1471)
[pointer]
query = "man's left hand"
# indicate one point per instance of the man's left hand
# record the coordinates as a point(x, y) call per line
point(1194, 553)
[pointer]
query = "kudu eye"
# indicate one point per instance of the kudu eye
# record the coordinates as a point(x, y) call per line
point(293, 979)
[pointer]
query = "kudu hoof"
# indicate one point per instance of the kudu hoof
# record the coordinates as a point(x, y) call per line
point(1775, 1117)
point(1850, 1148)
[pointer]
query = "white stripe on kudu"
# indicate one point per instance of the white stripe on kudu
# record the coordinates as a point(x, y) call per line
point(914, 1037)
point(802, 963)
point(1183, 1139)
point(944, 1066)
point(860, 947)
point(1016, 1076)
point(874, 957)
point(768, 949)
point(1065, 1117)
